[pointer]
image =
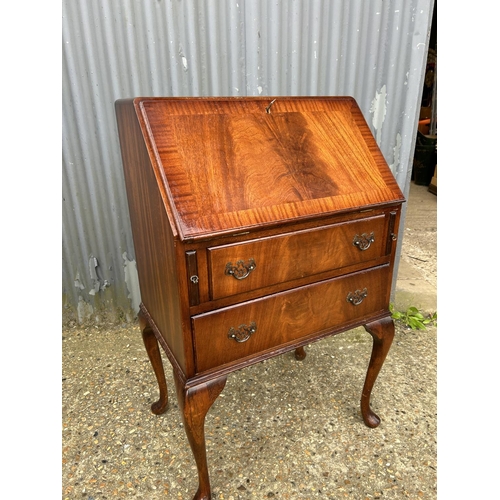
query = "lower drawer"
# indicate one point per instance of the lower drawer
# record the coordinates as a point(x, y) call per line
point(236, 332)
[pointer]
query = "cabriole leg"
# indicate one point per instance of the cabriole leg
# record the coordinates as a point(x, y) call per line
point(153, 350)
point(300, 353)
point(382, 332)
point(194, 403)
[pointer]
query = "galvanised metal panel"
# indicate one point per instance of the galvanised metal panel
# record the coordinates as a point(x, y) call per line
point(373, 50)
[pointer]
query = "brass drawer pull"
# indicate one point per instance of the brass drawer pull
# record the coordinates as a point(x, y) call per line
point(241, 270)
point(364, 241)
point(355, 298)
point(242, 333)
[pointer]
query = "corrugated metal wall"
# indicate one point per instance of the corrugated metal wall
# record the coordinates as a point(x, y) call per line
point(373, 50)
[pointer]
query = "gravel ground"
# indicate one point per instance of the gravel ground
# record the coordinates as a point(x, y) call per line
point(282, 429)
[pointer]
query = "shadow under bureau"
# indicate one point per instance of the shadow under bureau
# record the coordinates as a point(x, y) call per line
point(260, 225)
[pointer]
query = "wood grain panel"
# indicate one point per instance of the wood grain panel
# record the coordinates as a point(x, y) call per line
point(287, 316)
point(153, 237)
point(306, 158)
point(294, 255)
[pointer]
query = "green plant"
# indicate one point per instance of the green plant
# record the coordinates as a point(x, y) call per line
point(413, 318)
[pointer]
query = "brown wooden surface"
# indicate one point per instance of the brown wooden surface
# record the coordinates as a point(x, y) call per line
point(153, 351)
point(300, 353)
point(294, 255)
point(217, 180)
point(382, 332)
point(306, 158)
point(194, 403)
point(287, 316)
point(153, 237)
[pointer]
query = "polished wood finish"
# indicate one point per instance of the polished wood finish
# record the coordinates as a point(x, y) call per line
point(319, 155)
point(154, 355)
point(154, 236)
point(382, 332)
point(258, 229)
point(300, 353)
point(312, 251)
point(194, 403)
point(297, 314)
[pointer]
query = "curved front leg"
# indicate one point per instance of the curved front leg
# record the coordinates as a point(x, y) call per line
point(153, 350)
point(195, 403)
point(382, 332)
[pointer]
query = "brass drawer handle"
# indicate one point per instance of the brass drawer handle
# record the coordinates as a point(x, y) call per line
point(364, 241)
point(241, 270)
point(243, 332)
point(355, 298)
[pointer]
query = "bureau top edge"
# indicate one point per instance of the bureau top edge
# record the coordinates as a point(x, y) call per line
point(283, 226)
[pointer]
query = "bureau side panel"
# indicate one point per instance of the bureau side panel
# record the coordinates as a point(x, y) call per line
point(154, 242)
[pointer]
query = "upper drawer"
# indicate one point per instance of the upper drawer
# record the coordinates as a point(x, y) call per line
point(251, 265)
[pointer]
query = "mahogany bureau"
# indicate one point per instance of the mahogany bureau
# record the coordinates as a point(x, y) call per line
point(260, 225)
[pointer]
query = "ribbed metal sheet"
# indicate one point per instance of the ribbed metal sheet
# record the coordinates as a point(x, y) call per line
point(375, 51)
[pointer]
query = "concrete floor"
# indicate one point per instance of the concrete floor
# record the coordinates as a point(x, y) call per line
point(417, 274)
point(281, 429)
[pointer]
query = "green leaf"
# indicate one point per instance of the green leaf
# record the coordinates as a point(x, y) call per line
point(413, 318)
point(416, 324)
point(412, 322)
